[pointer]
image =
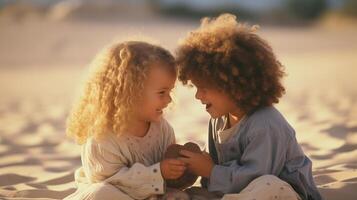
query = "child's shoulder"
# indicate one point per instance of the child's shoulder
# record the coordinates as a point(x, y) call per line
point(108, 142)
point(269, 118)
point(266, 115)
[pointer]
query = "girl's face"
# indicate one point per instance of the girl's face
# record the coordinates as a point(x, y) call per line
point(217, 103)
point(156, 95)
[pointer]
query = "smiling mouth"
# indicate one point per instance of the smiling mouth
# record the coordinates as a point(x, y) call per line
point(159, 111)
point(208, 106)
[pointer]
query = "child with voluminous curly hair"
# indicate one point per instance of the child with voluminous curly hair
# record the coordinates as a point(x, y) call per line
point(253, 152)
point(118, 121)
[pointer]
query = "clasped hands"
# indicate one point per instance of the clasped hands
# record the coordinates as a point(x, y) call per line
point(200, 164)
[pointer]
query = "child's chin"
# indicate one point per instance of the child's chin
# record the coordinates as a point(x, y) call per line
point(215, 115)
point(156, 119)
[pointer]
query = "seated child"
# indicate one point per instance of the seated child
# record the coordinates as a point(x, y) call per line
point(118, 122)
point(253, 151)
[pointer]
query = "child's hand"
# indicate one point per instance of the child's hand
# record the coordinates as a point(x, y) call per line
point(200, 164)
point(172, 168)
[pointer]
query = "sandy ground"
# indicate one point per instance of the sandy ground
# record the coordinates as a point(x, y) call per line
point(43, 62)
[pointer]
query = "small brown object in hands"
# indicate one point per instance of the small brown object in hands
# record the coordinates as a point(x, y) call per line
point(187, 179)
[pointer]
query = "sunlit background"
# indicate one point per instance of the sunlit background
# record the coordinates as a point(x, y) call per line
point(46, 46)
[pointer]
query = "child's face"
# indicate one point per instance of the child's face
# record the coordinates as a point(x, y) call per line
point(156, 95)
point(217, 103)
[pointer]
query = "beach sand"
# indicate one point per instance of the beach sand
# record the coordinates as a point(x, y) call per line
point(43, 62)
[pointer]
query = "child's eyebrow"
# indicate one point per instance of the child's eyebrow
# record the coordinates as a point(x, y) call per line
point(166, 88)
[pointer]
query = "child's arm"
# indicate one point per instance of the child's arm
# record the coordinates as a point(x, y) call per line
point(140, 181)
point(265, 153)
point(103, 162)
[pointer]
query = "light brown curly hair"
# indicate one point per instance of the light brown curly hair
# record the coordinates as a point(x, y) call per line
point(113, 88)
point(231, 57)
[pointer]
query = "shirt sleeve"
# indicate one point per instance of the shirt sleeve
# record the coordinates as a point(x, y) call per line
point(102, 162)
point(139, 181)
point(260, 153)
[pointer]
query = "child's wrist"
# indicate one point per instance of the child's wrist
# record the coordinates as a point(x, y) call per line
point(209, 171)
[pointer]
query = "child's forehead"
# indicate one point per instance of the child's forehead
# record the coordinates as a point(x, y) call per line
point(159, 76)
point(202, 83)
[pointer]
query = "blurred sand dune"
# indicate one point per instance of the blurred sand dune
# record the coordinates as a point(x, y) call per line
point(42, 64)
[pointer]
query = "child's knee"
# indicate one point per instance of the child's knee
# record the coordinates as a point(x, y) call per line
point(268, 180)
point(270, 186)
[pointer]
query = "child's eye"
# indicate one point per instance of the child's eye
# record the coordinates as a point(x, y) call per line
point(203, 89)
point(161, 93)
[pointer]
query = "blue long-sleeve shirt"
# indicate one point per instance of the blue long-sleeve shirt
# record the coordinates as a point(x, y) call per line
point(264, 143)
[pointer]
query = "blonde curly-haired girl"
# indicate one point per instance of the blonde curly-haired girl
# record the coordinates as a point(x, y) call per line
point(118, 122)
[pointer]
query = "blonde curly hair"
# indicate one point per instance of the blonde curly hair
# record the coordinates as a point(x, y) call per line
point(113, 87)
